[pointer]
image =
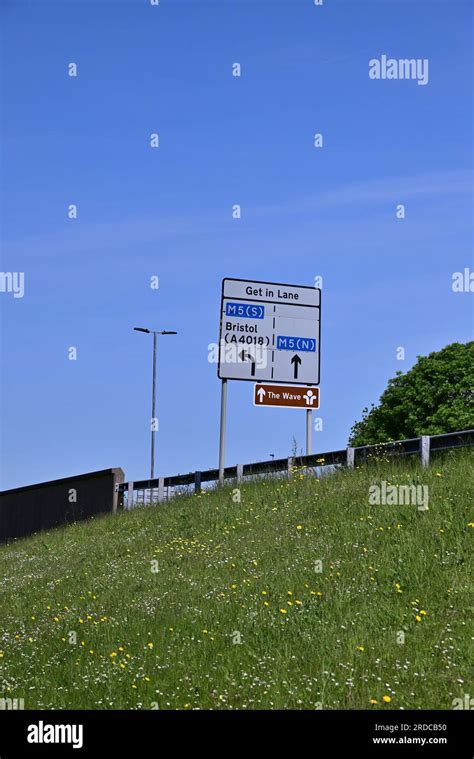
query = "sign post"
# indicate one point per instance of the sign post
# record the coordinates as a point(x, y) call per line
point(309, 424)
point(222, 430)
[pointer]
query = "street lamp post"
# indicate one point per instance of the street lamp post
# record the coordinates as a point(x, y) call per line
point(153, 392)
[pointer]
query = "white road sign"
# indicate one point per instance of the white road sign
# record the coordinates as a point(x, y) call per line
point(269, 332)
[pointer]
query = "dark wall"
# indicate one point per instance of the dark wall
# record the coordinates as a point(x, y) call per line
point(49, 504)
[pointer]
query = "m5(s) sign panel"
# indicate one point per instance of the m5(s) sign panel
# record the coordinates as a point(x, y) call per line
point(269, 332)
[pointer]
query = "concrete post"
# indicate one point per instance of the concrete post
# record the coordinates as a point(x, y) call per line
point(197, 482)
point(161, 489)
point(290, 466)
point(350, 458)
point(425, 450)
point(240, 472)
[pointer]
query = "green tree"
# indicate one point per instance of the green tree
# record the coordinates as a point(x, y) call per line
point(435, 396)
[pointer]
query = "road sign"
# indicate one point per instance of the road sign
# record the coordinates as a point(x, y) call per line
point(289, 396)
point(269, 332)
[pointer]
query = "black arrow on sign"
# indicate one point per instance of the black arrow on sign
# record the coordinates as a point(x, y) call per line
point(296, 361)
point(247, 357)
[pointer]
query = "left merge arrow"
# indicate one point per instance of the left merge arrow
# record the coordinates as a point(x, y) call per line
point(247, 357)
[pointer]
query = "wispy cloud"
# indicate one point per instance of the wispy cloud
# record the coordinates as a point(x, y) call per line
point(380, 191)
point(136, 231)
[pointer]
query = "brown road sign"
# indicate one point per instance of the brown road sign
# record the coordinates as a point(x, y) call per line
point(289, 396)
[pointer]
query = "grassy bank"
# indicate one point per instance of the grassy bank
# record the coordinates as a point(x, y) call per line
point(299, 595)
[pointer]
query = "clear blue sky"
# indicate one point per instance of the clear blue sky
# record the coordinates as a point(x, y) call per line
point(167, 212)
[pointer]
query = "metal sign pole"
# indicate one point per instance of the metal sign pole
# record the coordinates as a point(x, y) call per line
point(222, 430)
point(309, 424)
point(153, 411)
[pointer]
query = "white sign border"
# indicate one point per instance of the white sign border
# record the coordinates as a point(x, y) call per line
point(295, 305)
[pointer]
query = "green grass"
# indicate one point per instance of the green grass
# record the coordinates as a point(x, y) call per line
point(169, 639)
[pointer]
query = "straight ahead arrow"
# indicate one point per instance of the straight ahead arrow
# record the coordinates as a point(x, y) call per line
point(296, 361)
point(261, 394)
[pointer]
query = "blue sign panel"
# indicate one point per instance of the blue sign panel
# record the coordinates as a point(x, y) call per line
point(245, 310)
point(287, 343)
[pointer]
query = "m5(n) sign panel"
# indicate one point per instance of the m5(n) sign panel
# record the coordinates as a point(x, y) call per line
point(269, 332)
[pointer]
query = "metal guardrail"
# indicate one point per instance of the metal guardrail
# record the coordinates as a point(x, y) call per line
point(159, 489)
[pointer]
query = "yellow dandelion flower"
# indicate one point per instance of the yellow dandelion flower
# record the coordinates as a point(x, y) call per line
point(113, 655)
point(359, 648)
point(387, 699)
point(299, 526)
point(373, 701)
point(150, 645)
point(283, 611)
point(423, 612)
point(418, 618)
